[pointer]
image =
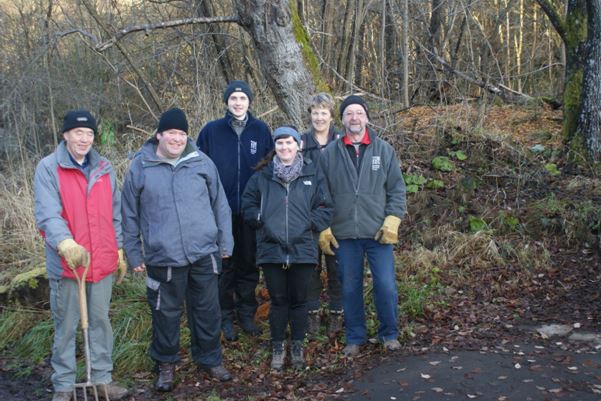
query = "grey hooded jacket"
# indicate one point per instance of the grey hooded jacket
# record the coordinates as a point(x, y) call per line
point(179, 213)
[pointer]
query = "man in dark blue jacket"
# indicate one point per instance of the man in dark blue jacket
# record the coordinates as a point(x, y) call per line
point(236, 143)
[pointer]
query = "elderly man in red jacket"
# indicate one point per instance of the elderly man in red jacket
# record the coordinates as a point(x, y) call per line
point(77, 210)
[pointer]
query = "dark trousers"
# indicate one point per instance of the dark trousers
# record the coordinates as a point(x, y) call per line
point(197, 284)
point(240, 275)
point(334, 289)
point(288, 292)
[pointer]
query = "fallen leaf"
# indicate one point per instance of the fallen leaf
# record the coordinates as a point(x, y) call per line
point(340, 390)
point(425, 376)
point(437, 389)
point(471, 396)
point(434, 363)
point(517, 366)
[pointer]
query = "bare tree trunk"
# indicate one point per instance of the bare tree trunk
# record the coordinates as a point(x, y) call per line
point(589, 121)
point(406, 53)
point(204, 8)
point(344, 49)
point(269, 25)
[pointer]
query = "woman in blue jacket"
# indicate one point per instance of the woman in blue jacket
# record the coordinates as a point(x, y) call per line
point(287, 203)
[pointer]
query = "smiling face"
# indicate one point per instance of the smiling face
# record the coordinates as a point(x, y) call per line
point(79, 142)
point(286, 148)
point(321, 118)
point(354, 119)
point(238, 104)
point(171, 144)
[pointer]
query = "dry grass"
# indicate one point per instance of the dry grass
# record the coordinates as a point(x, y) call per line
point(20, 243)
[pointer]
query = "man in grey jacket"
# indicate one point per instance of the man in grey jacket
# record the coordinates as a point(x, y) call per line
point(364, 178)
point(177, 228)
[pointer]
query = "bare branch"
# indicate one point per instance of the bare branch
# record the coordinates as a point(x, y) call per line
point(163, 25)
point(551, 11)
point(502, 91)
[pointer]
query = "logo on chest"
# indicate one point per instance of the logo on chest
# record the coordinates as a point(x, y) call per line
point(375, 163)
point(253, 147)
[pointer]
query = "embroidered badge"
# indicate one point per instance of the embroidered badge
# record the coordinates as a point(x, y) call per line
point(307, 183)
point(375, 163)
point(253, 147)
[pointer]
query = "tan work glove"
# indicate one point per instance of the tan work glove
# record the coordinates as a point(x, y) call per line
point(121, 267)
point(326, 240)
point(75, 255)
point(389, 232)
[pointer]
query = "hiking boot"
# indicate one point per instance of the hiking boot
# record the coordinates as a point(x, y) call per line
point(62, 396)
point(351, 350)
point(335, 323)
point(278, 354)
point(111, 391)
point(392, 345)
point(166, 374)
point(227, 327)
point(314, 323)
point(247, 323)
point(219, 372)
point(296, 352)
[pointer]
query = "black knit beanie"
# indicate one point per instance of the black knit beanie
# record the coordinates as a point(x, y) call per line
point(237, 86)
point(173, 119)
point(353, 99)
point(77, 119)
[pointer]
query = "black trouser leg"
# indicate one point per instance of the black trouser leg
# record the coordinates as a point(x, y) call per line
point(246, 271)
point(204, 317)
point(298, 282)
point(165, 289)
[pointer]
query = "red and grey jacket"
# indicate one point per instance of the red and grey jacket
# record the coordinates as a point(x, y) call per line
point(69, 204)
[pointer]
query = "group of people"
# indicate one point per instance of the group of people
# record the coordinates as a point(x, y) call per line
point(201, 220)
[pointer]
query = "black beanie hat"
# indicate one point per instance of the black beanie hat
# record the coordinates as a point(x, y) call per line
point(173, 119)
point(237, 86)
point(353, 99)
point(79, 118)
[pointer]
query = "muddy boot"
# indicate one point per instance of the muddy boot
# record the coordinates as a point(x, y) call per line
point(227, 327)
point(335, 323)
point(296, 351)
point(278, 355)
point(247, 323)
point(314, 322)
point(165, 377)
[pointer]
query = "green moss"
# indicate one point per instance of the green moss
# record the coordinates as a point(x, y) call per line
point(571, 101)
point(303, 40)
point(575, 27)
point(30, 277)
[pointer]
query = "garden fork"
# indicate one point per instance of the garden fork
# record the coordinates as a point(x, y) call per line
point(83, 312)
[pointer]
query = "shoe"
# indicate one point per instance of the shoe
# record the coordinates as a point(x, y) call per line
point(219, 372)
point(392, 345)
point(296, 353)
point(335, 323)
point(351, 350)
point(166, 374)
point(248, 325)
point(62, 396)
point(314, 323)
point(278, 355)
point(227, 327)
point(111, 391)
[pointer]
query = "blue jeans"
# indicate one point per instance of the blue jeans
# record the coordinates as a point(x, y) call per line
point(350, 255)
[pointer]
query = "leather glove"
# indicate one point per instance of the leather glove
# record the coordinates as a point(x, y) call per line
point(75, 255)
point(389, 232)
point(326, 240)
point(121, 267)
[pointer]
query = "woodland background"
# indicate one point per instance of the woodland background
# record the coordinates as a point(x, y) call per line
point(494, 107)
